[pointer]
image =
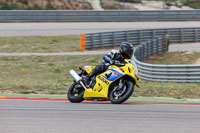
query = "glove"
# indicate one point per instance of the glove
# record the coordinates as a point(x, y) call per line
point(107, 64)
point(112, 62)
point(115, 62)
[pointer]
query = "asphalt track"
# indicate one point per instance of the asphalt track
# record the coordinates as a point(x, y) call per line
point(75, 28)
point(27, 116)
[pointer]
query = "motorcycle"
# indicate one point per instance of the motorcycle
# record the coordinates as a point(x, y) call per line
point(115, 84)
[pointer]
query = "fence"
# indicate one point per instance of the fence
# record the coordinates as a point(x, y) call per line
point(112, 39)
point(97, 16)
point(155, 46)
point(151, 42)
point(169, 73)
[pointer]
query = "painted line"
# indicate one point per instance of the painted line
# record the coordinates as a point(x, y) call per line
point(25, 98)
point(48, 99)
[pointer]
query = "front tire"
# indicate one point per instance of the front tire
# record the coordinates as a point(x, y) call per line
point(123, 95)
point(75, 93)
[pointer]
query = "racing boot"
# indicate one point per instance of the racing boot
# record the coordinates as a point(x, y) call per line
point(87, 79)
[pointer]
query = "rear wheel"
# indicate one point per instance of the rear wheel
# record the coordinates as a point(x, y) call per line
point(121, 91)
point(75, 93)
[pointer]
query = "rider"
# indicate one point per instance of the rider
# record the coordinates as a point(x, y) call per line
point(114, 57)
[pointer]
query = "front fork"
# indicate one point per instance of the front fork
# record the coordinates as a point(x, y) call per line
point(121, 85)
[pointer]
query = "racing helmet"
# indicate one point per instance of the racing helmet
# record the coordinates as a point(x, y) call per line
point(126, 49)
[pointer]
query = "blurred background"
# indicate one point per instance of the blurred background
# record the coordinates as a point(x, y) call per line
point(98, 4)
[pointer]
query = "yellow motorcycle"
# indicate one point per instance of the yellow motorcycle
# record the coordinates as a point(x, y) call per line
point(116, 84)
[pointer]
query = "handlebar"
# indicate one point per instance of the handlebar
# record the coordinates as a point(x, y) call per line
point(119, 65)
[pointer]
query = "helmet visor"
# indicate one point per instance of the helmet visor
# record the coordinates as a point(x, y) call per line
point(128, 54)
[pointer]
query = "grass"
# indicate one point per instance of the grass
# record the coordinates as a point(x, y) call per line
point(39, 44)
point(36, 74)
point(168, 89)
point(49, 75)
point(174, 58)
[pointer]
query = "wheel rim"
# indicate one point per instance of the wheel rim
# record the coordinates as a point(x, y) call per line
point(116, 96)
point(118, 93)
point(77, 90)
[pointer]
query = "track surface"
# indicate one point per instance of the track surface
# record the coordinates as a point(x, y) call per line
point(21, 116)
point(75, 28)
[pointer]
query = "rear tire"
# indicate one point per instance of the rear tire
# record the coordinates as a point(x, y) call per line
point(124, 96)
point(75, 95)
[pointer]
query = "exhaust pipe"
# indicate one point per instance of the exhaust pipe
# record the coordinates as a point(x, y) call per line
point(77, 78)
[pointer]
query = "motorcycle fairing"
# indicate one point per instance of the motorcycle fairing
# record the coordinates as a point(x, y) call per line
point(115, 74)
point(103, 82)
point(89, 68)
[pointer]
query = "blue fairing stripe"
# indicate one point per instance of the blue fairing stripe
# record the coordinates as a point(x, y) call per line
point(115, 74)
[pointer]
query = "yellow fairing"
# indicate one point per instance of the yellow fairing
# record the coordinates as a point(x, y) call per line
point(102, 85)
point(131, 71)
point(95, 91)
point(99, 90)
point(89, 68)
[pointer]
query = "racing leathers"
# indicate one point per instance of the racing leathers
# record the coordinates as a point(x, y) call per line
point(114, 57)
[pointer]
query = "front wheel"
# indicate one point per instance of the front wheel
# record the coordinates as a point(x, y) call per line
point(75, 93)
point(121, 92)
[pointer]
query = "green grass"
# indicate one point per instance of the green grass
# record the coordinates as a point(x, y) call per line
point(39, 44)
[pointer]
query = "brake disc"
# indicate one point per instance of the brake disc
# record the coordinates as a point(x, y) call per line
point(120, 92)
